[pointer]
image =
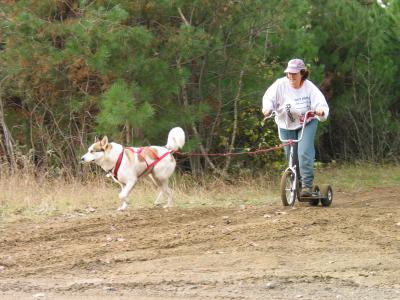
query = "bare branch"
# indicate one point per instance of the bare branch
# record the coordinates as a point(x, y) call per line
point(183, 17)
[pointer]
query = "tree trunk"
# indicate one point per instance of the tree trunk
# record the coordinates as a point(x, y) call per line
point(6, 133)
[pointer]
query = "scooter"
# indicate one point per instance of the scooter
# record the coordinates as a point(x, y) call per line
point(290, 185)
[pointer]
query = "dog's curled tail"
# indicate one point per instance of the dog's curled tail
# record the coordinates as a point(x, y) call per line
point(176, 139)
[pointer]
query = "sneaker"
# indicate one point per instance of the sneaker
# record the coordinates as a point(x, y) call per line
point(306, 192)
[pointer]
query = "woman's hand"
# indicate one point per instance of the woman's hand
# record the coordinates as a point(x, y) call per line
point(319, 111)
point(267, 113)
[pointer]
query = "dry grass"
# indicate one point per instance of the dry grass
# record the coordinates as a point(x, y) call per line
point(24, 196)
point(360, 176)
point(217, 192)
point(27, 196)
point(32, 197)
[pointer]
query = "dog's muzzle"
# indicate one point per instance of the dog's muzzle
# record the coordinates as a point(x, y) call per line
point(84, 160)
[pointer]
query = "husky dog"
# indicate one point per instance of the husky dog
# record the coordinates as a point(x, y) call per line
point(127, 165)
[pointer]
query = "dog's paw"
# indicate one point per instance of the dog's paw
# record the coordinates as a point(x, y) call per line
point(158, 204)
point(123, 207)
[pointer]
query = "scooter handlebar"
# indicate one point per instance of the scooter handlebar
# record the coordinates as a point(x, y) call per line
point(308, 116)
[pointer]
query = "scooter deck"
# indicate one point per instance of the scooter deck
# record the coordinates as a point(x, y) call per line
point(309, 198)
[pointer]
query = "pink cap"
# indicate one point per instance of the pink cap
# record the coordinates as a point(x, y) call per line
point(295, 66)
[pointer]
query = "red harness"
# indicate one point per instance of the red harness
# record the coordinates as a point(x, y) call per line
point(139, 153)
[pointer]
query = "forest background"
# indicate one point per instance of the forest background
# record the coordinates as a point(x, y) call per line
point(71, 71)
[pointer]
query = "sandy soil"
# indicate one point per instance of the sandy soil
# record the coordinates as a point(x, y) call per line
point(350, 250)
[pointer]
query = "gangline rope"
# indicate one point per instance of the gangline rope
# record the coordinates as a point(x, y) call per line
point(234, 153)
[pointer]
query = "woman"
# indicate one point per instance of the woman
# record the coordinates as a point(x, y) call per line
point(291, 97)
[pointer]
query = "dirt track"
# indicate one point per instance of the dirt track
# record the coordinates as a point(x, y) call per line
point(348, 251)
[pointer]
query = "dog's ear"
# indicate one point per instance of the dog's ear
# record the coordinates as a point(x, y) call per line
point(104, 141)
point(96, 139)
point(108, 147)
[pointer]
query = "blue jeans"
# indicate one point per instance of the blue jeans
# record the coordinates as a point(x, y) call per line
point(304, 150)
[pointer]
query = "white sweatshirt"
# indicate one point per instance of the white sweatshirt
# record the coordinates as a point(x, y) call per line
point(291, 103)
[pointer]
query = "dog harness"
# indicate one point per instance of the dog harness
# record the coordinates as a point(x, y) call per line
point(139, 153)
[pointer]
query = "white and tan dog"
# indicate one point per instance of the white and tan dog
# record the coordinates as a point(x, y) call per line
point(127, 165)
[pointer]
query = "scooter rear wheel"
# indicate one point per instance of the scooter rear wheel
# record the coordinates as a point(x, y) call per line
point(327, 194)
point(288, 188)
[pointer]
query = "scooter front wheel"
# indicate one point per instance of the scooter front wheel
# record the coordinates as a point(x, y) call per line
point(288, 188)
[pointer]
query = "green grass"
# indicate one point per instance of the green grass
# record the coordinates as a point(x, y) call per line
point(25, 196)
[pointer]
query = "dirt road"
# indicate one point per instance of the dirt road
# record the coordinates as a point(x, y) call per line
point(348, 251)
